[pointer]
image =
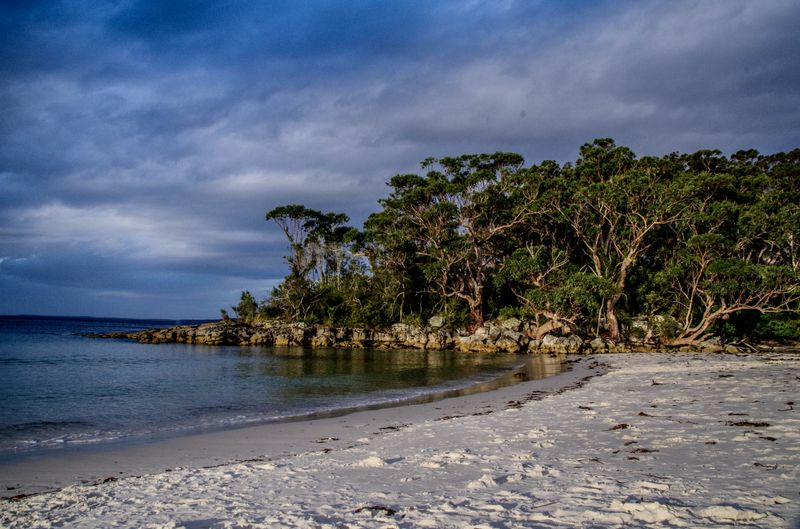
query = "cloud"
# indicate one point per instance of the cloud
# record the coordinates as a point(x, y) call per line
point(141, 143)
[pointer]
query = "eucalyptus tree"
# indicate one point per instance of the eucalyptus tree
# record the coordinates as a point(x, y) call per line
point(614, 204)
point(695, 239)
point(453, 220)
point(733, 250)
point(315, 243)
point(541, 268)
point(390, 245)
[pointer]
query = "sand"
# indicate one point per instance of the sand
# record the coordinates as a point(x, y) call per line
point(670, 440)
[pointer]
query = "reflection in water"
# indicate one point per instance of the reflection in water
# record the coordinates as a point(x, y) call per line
point(308, 373)
point(542, 366)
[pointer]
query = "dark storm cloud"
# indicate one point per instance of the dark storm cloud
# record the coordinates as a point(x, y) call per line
point(142, 142)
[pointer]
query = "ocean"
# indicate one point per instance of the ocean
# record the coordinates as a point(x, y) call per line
point(61, 390)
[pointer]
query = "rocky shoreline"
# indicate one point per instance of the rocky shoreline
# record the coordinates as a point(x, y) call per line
point(510, 335)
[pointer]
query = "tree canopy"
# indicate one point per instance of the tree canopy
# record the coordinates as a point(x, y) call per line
point(698, 244)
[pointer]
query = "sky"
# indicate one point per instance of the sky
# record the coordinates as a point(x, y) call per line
point(141, 143)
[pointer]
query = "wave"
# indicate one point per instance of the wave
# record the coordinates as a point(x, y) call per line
point(41, 425)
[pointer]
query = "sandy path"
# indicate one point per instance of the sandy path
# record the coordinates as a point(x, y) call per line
point(673, 440)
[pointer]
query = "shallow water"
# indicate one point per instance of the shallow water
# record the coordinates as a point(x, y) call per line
point(60, 389)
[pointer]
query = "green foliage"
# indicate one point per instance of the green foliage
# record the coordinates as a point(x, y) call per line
point(665, 328)
point(784, 327)
point(415, 318)
point(506, 313)
point(698, 244)
point(247, 309)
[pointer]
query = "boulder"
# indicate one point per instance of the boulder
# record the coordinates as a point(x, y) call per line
point(513, 336)
point(416, 339)
point(512, 324)
point(439, 341)
point(384, 339)
point(598, 345)
point(507, 344)
point(282, 339)
point(436, 322)
point(482, 331)
point(534, 345)
point(467, 343)
point(712, 345)
point(561, 344)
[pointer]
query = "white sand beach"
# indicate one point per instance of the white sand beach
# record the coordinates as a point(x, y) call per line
point(672, 440)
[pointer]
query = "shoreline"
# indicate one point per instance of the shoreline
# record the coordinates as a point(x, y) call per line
point(494, 336)
point(524, 368)
point(676, 439)
point(49, 471)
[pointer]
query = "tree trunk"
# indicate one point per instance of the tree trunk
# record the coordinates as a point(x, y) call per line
point(611, 318)
point(697, 333)
point(539, 331)
point(475, 314)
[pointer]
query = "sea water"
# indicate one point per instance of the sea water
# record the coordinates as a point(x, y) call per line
point(61, 389)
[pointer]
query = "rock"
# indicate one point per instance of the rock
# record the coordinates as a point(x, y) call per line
point(364, 336)
point(438, 341)
point(511, 342)
point(713, 345)
point(400, 328)
point(384, 339)
point(482, 331)
point(416, 341)
point(322, 341)
point(551, 340)
point(283, 340)
point(487, 348)
point(513, 336)
point(491, 337)
point(261, 338)
point(462, 343)
point(507, 344)
point(473, 343)
point(640, 331)
point(512, 324)
point(561, 344)
point(436, 322)
point(371, 462)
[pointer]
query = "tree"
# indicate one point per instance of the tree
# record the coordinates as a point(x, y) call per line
point(312, 236)
point(694, 240)
point(247, 309)
point(614, 205)
point(733, 249)
point(450, 223)
point(551, 288)
point(316, 254)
